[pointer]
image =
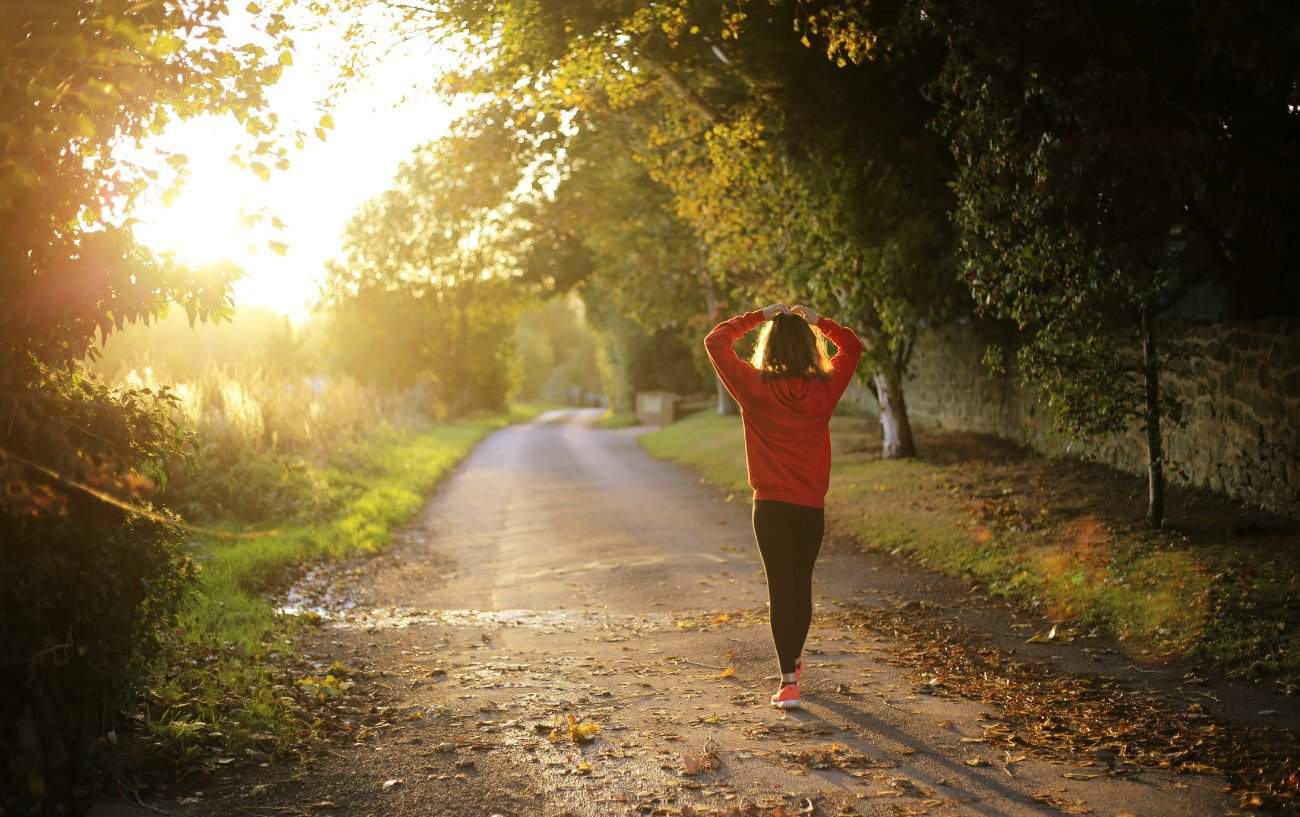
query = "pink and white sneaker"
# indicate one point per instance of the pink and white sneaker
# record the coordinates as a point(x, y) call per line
point(787, 697)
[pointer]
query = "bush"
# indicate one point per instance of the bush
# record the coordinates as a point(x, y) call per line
point(257, 432)
point(85, 584)
point(83, 599)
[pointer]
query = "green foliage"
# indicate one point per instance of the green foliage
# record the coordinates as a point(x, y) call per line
point(708, 158)
point(816, 177)
point(1065, 229)
point(634, 359)
point(423, 295)
point(85, 586)
point(1082, 211)
point(75, 81)
point(555, 353)
point(630, 245)
point(86, 594)
point(636, 264)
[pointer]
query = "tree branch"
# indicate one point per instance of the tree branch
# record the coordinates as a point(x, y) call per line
point(687, 95)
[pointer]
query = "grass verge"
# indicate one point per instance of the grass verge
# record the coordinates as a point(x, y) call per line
point(617, 419)
point(1066, 537)
point(229, 684)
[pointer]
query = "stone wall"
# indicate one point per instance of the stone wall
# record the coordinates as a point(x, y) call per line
point(1241, 394)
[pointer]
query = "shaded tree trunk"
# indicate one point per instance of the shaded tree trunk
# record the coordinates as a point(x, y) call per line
point(1155, 449)
point(726, 405)
point(895, 427)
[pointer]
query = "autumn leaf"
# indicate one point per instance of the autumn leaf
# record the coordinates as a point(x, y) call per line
point(570, 727)
point(1039, 638)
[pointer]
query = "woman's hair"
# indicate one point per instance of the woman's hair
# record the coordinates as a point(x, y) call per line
point(788, 347)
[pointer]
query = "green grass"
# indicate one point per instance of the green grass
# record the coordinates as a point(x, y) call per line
point(617, 419)
point(386, 488)
point(995, 523)
point(225, 674)
point(710, 444)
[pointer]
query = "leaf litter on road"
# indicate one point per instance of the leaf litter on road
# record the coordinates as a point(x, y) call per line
point(1101, 720)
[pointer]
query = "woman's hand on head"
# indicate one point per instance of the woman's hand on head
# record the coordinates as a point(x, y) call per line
point(807, 313)
point(770, 312)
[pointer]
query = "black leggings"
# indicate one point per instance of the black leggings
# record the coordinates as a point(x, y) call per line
point(788, 537)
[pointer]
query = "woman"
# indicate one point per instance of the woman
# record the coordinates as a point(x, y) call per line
point(786, 393)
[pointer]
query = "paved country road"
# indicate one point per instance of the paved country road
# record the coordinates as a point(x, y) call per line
point(560, 570)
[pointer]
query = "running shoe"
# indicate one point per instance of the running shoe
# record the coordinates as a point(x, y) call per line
point(787, 697)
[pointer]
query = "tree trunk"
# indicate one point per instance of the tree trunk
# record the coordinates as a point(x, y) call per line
point(895, 427)
point(726, 405)
point(1155, 450)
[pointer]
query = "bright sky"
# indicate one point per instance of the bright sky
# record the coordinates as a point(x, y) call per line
point(377, 124)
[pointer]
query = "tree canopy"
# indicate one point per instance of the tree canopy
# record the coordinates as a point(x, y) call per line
point(1109, 161)
point(78, 82)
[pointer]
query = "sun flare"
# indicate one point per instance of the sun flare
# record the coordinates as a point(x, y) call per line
point(283, 229)
point(204, 222)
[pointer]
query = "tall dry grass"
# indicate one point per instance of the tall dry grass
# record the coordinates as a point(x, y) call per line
point(261, 435)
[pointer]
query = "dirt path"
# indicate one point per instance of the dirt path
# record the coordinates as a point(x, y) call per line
point(560, 570)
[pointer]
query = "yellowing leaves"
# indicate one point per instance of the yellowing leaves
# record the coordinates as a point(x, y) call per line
point(323, 689)
point(726, 673)
point(570, 728)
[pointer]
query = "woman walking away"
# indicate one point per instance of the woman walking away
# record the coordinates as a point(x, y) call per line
point(786, 393)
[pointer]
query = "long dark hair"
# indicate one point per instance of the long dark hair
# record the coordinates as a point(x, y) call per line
point(788, 347)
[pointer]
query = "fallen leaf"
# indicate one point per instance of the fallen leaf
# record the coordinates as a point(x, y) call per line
point(573, 729)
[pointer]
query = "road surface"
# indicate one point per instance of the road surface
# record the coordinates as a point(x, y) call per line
point(561, 571)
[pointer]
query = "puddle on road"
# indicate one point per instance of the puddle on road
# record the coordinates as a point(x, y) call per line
point(327, 594)
point(321, 592)
point(566, 620)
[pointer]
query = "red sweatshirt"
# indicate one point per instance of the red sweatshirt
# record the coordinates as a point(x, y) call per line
point(786, 419)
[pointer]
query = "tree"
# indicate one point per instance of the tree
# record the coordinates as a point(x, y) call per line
point(423, 296)
point(76, 81)
point(86, 584)
point(555, 353)
point(1108, 161)
point(609, 232)
point(747, 129)
point(830, 175)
